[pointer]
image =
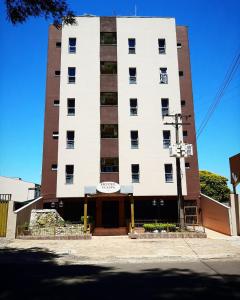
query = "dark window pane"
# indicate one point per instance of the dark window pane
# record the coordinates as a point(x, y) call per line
point(109, 131)
point(183, 102)
point(109, 165)
point(132, 71)
point(71, 71)
point(168, 168)
point(108, 38)
point(71, 102)
point(135, 168)
point(134, 134)
point(161, 42)
point(109, 98)
point(131, 42)
point(69, 169)
point(56, 102)
point(72, 41)
point(58, 44)
point(108, 67)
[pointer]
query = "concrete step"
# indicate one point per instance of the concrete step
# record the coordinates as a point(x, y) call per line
point(102, 231)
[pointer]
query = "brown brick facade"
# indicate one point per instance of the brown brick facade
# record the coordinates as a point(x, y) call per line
point(192, 174)
point(108, 83)
point(50, 146)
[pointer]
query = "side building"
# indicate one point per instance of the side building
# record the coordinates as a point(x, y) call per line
point(111, 84)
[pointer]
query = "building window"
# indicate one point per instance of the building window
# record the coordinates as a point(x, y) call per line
point(71, 107)
point(166, 138)
point(70, 140)
point(72, 45)
point(55, 135)
point(180, 73)
point(185, 133)
point(179, 45)
point(165, 106)
point(109, 131)
point(161, 46)
point(69, 171)
point(71, 74)
point(57, 73)
point(183, 102)
point(132, 75)
point(133, 107)
point(135, 173)
point(109, 165)
point(108, 38)
point(187, 165)
point(108, 67)
point(131, 46)
point(168, 173)
point(134, 139)
point(163, 76)
point(108, 99)
point(58, 44)
point(56, 102)
point(54, 167)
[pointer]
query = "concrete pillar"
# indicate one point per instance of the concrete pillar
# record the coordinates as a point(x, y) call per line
point(132, 214)
point(85, 215)
point(235, 213)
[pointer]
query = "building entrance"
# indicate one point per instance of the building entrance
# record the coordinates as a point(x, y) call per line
point(110, 213)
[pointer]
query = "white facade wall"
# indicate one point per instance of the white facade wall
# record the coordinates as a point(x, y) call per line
point(86, 122)
point(150, 156)
point(19, 189)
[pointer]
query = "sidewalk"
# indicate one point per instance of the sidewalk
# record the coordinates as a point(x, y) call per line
point(121, 249)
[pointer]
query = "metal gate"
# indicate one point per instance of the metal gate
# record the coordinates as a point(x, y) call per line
point(4, 200)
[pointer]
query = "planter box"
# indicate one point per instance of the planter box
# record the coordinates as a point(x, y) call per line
point(167, 235)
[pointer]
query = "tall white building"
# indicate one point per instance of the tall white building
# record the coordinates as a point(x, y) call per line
point(111, 82)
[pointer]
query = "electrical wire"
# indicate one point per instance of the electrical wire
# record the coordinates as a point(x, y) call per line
point(228, 78)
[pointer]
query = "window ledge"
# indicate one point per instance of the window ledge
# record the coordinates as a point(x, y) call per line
point(109, 172)
point(108, 44)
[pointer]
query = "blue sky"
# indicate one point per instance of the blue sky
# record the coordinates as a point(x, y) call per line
point(214, 35)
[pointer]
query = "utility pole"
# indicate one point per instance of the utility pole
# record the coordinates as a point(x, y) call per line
point(177, 125)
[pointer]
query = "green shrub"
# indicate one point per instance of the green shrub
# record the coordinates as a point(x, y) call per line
point(159, 226)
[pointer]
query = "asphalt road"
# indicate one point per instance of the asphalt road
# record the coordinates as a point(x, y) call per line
point(36, 274)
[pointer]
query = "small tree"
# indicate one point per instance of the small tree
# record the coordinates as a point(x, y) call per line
point(18, 11)
point(214, 186)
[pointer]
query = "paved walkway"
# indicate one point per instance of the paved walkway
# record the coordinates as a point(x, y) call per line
point(119, 249)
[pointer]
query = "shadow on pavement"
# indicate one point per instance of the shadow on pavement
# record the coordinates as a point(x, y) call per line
point(35, 274)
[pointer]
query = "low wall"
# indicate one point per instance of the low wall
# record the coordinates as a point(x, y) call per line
point(215, 215)
point(21, 216)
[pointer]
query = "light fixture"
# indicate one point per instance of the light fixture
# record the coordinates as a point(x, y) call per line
point(60, 204)
point(161, 202)
point(52, 204)
point(154, 202)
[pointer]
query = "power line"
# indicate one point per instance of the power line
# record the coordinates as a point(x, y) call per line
point(228, 78)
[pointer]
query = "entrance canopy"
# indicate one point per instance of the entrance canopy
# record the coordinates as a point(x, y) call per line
point(92, 191)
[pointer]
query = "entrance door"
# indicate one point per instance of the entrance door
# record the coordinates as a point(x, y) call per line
point(110, 213)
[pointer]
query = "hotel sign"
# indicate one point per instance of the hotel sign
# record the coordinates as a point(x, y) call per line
point(108, 187)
